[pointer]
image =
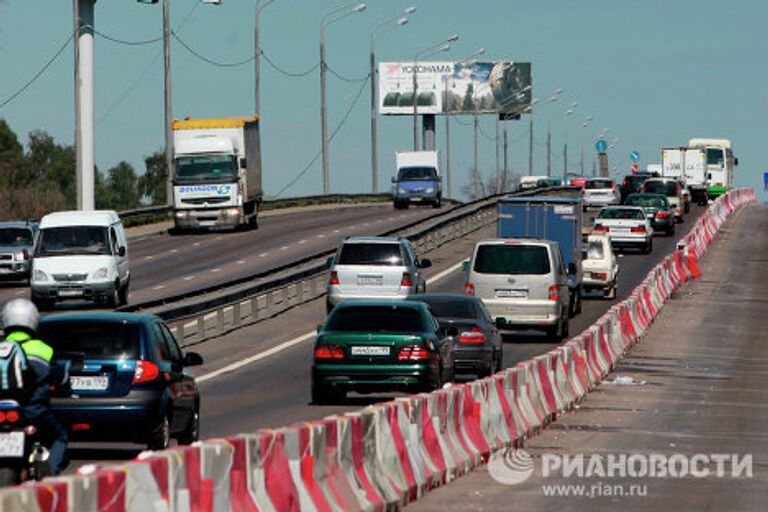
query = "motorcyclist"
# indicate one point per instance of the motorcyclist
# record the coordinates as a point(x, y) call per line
point(20, 320)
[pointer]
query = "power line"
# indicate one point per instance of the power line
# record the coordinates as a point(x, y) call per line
point(39, 73)
point(288, 73)
point(345, 79)
point(125, 41)
point(206, 59)
point(335, 131)
point(480, 128)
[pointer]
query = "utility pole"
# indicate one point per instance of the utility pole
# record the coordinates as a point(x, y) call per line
point(257, 58)
point(565, 159)
point(374, 130)
point(168, 102)
point(530, 148)
point(475, 170)
point(581, 165)
point(448, 150)
point(498, 157)
point(83, 11)
point(505, 180)
point(549, 153)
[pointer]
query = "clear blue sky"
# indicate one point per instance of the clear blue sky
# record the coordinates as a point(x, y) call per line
point(655, 72)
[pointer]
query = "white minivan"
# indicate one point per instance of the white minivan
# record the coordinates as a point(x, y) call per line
point(80, 255)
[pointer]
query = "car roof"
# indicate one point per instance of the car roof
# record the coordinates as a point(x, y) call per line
point(372, 240)
point(442, 296)
point(622, 207)
point(99, 316)
point(18, 224)
point(379, 303)
point(661, 179)
point(599, 178)
point(515, 241)
point(80, 218)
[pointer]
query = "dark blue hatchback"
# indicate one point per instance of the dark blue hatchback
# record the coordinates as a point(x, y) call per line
point(128, 381)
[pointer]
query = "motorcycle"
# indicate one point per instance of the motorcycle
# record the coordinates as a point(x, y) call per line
point(22, 456)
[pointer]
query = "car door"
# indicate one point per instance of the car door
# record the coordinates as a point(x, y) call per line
point(172, 368)
point(411, 263)
point(117, 233)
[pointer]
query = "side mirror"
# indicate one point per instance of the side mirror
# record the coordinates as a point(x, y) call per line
point(572, 269)
point(330, 261)
point(319, 328)
point(193, 359)
point(121, 251)
point(735, 161)
point(451, 331)
point(709, 176)
point(425, 263)
point(392, 179)
point(243, 163)
point(465, 266)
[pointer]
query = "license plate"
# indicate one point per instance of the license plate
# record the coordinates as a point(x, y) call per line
point(416, 198)
point(370, 351)
point(512, 294)
point(620, 230)
point(70, 293)
point(370, 280)
point(11, 444)
point(89, 383)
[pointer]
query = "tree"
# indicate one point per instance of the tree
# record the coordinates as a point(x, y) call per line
point(12, 161)
point(469, 102)
point(152, 184)
point(52, 164)
point(120, 191)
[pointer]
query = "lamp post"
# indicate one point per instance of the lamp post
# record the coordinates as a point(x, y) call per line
point(442, 46)
point(257, 58)
point(330, 18)
point(555, 96)
point(583, 124)
point(397, 21)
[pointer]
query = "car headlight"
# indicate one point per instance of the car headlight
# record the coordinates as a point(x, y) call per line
point(401, 190)
point(19, 256)
point(102, 273)
point(40, 276)
point(232, 212)
point(430, 190)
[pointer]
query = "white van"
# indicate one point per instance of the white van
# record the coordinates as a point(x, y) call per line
point(80, 255)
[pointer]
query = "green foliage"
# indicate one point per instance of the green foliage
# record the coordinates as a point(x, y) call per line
point(152, 183)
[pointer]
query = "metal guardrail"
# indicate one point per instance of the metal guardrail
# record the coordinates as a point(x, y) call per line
point(232, 305)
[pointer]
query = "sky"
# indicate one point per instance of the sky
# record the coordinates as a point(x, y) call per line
point(655, 73)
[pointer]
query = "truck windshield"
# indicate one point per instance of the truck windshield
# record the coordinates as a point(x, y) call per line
point(416, 174)
point(715, 157)
point(667, 188)
point(512, 259)
point(15, 237)
point(73, 240)
point(209, 167)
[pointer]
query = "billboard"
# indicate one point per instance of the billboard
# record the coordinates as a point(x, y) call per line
point(456, 87)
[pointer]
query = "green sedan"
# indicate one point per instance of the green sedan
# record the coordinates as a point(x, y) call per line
point(380, 346)
point(657, 209)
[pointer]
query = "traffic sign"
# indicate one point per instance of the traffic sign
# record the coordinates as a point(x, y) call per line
point(601, 146)
point(634, 156)
point(765, 181)
point(635, 167)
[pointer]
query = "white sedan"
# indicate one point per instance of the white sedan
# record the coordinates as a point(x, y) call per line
point(600, 192)
point(626, 226)
point(600, 266)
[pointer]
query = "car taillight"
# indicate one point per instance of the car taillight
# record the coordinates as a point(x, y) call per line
point(146, 371)
point(624, 183)
point(329, 351)
point(414, 353)
point(601, 229)
point(662, 214)
point(637, 229)
point(12, 416)
point(554, 294)
point(600, 275)
point(469, 289)
point(2, 416)
point(407, 280)
point(334, 279)
point(475, 335)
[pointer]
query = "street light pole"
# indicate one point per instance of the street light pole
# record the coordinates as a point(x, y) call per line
point(257, 58)
point(443, 46)
point(168, 102)
point(355, 8)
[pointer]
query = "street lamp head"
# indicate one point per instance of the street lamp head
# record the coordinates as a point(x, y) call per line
point(558, 91)
point(574, 104)
point(359, 8)
point(444, 48)
point(585, 124)
point(588, 118)
point(480, 51)
point(554, 97)
point(410, 10)
point(402, 21)
point(568, 112)
point(534, 100)
point(453, 38)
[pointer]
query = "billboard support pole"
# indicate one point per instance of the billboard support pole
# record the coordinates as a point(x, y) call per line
point(475, 170)
point(530, 148)
point(447, 143)
point(549, 153)
point(428, 132)
point(498, 158)
point(374, 133)
point(505, 181)
point(415, 115)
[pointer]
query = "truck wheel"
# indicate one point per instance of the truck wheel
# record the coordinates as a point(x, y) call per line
point(253, 222)
point(438, 203)
point(398, 205)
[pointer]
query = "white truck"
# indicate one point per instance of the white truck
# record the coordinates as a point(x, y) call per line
point(418, 179)
point(717, 160)
point(217, 178)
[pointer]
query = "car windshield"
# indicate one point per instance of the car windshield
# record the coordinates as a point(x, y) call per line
point(595, 184)
point(451, 308)
point(549, 182)
point(92, 340)
point(15, 237)
point(667, 188)
point(395, 319)
point(370, 254)
point(416, 174)
point(621, 213)
point(647, 201)
point(512, 259)
point(210, 167)
point(73, 240)
point(594, 250)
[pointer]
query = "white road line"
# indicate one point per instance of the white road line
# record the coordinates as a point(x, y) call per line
point(21, 292)
point(366, 223)
point(217, 269)
point(240, 262)
point(256, 357)
point(174, 250)
point(302, 242)
point(196, 244)
point(159, 287)
point(295, 341)
point(189, 278)
point(284, 248)
point(339, 231)
point(321, 235)
point(263, 255)
point(149, 257)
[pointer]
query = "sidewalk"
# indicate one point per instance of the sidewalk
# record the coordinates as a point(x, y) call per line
point(695, 385)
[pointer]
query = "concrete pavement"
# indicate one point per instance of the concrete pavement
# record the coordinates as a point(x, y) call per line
point(694, 386)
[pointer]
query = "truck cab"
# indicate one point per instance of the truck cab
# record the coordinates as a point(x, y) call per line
point(418, 179)
point(718, 164)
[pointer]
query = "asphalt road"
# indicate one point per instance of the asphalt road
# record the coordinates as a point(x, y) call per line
point(258, 376)
point(164, 265)
point(693, 389)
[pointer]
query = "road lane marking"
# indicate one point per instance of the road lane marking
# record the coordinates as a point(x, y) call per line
point(196, 244)
point(159, 287)
point(302, 242)
point(321, 235)
point(149, 257)
point(284, 248)
point(240, 262)
point(174, 250)
point(295, 341)
point(217, 269)
point(263, 255)
point(339, 231)
point(21, 292)
point(189, 278)
point(256, 357)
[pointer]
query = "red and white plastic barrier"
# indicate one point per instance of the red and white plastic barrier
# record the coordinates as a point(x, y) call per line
point(387, 454)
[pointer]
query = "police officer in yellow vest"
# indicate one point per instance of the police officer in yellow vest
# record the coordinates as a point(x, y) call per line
point(20, 320)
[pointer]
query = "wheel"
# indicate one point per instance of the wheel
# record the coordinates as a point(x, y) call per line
point(253, 222)
point(191, 433)
point(648, 247)
point(113, 299)
point(438, 203)
point(328, 307)
point(160, 438)
point(687, 207)
point(564, 331)
point(578, 300)
point(610, 293)
point(9, 476)
point(574, 307)
point(671, 230)
point(324, 395)
point(499, 360)
point(122, 295)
